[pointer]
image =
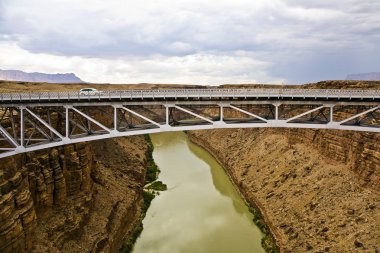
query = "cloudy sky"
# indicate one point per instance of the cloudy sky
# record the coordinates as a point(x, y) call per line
point(204, 42)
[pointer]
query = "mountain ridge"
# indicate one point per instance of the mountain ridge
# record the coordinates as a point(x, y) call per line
point(18, 75)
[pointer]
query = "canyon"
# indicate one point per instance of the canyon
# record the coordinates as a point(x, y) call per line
point(317, 190)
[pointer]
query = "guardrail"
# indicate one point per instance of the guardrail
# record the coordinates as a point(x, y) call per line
point(187, 93)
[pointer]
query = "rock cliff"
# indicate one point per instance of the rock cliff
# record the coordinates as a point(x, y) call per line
point(64, 200)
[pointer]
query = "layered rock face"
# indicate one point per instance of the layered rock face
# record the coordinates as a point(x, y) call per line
point(33, 184)
point(359, 151)
point(62, 200)
point(317, 190)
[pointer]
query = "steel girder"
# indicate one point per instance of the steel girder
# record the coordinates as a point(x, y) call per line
point(30, 127)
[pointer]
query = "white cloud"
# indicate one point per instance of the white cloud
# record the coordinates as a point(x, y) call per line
point(160, 34)
point(202, 68)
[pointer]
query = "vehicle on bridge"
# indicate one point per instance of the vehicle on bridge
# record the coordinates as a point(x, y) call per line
point(89, 92)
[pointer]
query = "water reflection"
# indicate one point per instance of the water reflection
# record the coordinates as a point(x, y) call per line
point(219, 178)
point(201, 211)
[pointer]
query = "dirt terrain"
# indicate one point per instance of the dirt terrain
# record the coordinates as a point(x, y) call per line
point(15, 86)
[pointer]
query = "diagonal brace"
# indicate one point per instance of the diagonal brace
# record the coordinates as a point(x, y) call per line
point(194, 114)
point(44, 123)
point(8, 136)
point(358, 115)
point(91, 119)
point(38, 128)
point(248, 113)
point(305, 113)
point(140, 116)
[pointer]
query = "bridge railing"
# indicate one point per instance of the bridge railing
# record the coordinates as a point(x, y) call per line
point(176, 93)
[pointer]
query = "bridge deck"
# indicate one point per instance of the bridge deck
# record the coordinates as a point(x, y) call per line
point(38, 120)
point(186, 94)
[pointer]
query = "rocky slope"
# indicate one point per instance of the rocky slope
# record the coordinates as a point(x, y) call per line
point(317, 190)
point(17, 75)
point(63, 200)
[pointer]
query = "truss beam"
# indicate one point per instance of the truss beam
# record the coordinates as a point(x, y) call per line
point(248, 113)
point(18, 121)
point(140, 116)
point(360, 114)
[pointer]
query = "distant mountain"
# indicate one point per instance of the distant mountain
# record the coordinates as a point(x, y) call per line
point(373, 76)
point(17, 75)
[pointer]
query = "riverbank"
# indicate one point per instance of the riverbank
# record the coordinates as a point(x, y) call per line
point(151, 189)
point(269, 242)
point(309, 202)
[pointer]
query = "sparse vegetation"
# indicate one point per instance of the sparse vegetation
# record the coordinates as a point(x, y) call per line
point(157, 186)
point(267, 241)
point(128, 245)
point(152, 168)
point(148, 197)
point(149, 192)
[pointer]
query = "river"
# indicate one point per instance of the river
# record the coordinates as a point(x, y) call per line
point(201, 212)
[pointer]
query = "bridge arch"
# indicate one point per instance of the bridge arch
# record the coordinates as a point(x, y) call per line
point(34, 121)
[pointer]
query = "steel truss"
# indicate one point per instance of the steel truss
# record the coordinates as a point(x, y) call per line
point(27, 127)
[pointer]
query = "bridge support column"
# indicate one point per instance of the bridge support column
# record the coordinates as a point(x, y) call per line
point(67, 122)
point(221, 113)
point(115, 118)
point(331, 113)
point(22, 126)
point(276, 111)
point(167, 115)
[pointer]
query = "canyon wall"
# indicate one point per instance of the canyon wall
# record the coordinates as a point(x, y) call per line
point(317, 190)
point(64, 200)
point(359, 151)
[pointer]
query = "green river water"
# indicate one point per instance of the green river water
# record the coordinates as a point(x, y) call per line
point(201, 212)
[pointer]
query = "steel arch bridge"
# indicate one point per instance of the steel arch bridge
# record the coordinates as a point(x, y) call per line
point(38, 120)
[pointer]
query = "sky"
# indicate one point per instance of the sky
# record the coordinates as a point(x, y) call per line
point(192, 42)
